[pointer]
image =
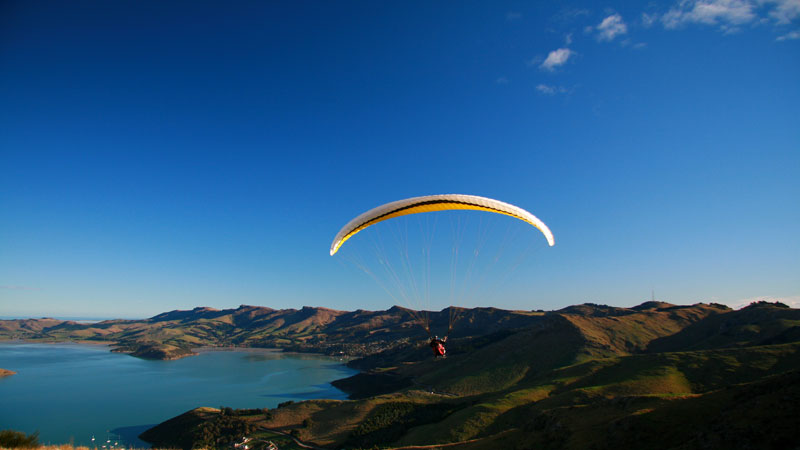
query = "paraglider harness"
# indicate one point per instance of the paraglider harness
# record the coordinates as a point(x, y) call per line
point(438, 347)
point(436, 344)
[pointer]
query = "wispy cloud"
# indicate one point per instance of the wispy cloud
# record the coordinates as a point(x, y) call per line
point(611, 27)
point(725, 13)
point(789, 36)
point(630, 43)
point(569, 15)
point(649, 19)
point(784, 11)
point(551, 90)
point(501, 80)
point(728, 15)
point(511, 16)
point(556, 58)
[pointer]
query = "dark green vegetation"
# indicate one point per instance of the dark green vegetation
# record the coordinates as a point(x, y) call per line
point(363, 385)
point(17, 439)
point(205, 428)
point(388, 422)
point(588, 377)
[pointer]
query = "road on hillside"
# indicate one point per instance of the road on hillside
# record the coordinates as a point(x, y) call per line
point(407, 447)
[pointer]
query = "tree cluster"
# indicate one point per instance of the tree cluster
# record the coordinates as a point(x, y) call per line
point(221, 431)
point(18, 439)
point(389, 421)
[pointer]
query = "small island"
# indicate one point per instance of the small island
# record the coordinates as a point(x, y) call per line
point(157, 351)
point(6, 373)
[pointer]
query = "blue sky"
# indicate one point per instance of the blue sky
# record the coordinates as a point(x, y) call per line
point(166, 155)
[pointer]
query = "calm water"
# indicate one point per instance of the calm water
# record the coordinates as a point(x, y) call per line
point(71, 392)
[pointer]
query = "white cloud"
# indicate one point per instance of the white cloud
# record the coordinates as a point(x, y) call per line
point(793, 301)
point(649, 19)
point(789, 36)
point(501, 80)
point(784, 11)
point(725, 13)
point(728, 14)
point(551, 90)
point(611, 27)
point(568, 39)
point(545, 89)
point(556, 58)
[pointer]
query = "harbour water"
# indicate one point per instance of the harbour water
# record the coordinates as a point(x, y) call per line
point(73, 392)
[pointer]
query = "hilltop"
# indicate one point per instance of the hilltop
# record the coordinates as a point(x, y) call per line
point(587, 376)
point(310, 329)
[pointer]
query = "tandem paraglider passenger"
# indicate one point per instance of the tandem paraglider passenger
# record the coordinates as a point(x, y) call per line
point(438, 347)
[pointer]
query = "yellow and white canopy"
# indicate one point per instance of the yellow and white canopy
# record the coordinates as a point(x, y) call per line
point(430, 203)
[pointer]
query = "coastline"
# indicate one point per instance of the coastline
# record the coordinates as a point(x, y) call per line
point(57, 342)
point(117, 347)
point(240, 378)
point(205, 349)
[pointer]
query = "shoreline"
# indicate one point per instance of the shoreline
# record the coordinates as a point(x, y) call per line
point(56, 342)
point(196, 350)
point(251, 372)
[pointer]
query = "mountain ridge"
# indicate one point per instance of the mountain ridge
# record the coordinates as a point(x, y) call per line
point(587, 376)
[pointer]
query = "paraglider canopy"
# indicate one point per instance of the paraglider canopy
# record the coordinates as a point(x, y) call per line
point(430, 203)
point(410, 263)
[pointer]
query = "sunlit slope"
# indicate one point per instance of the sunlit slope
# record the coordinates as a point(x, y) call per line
point(757, 324)
point(575, 406)
point(587, 376)
point(631, 330)
point(557, 339)
point(316, 329)
point(576, 378)
point(598, 377)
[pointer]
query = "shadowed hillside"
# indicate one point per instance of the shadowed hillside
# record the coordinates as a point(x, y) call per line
point(758, 324)
point(585, 377)
point(321, 330)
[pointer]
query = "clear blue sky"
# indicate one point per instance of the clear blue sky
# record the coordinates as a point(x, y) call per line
point(164, 155)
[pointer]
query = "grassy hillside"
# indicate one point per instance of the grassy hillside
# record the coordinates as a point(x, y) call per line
point(757, 324)
point(321, 330)
point(587, 405)
point(587, 377)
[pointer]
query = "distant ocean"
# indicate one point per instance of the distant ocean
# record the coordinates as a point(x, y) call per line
point(71, 393)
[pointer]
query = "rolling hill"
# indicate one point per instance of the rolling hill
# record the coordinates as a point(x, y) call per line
point(587, 376)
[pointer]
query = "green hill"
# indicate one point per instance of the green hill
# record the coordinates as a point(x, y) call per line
point(757, 324)
point(585, 377)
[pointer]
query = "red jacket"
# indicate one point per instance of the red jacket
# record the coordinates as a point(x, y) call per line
point(438, 347)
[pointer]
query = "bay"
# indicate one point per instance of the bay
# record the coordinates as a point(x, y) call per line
point(73, 392)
